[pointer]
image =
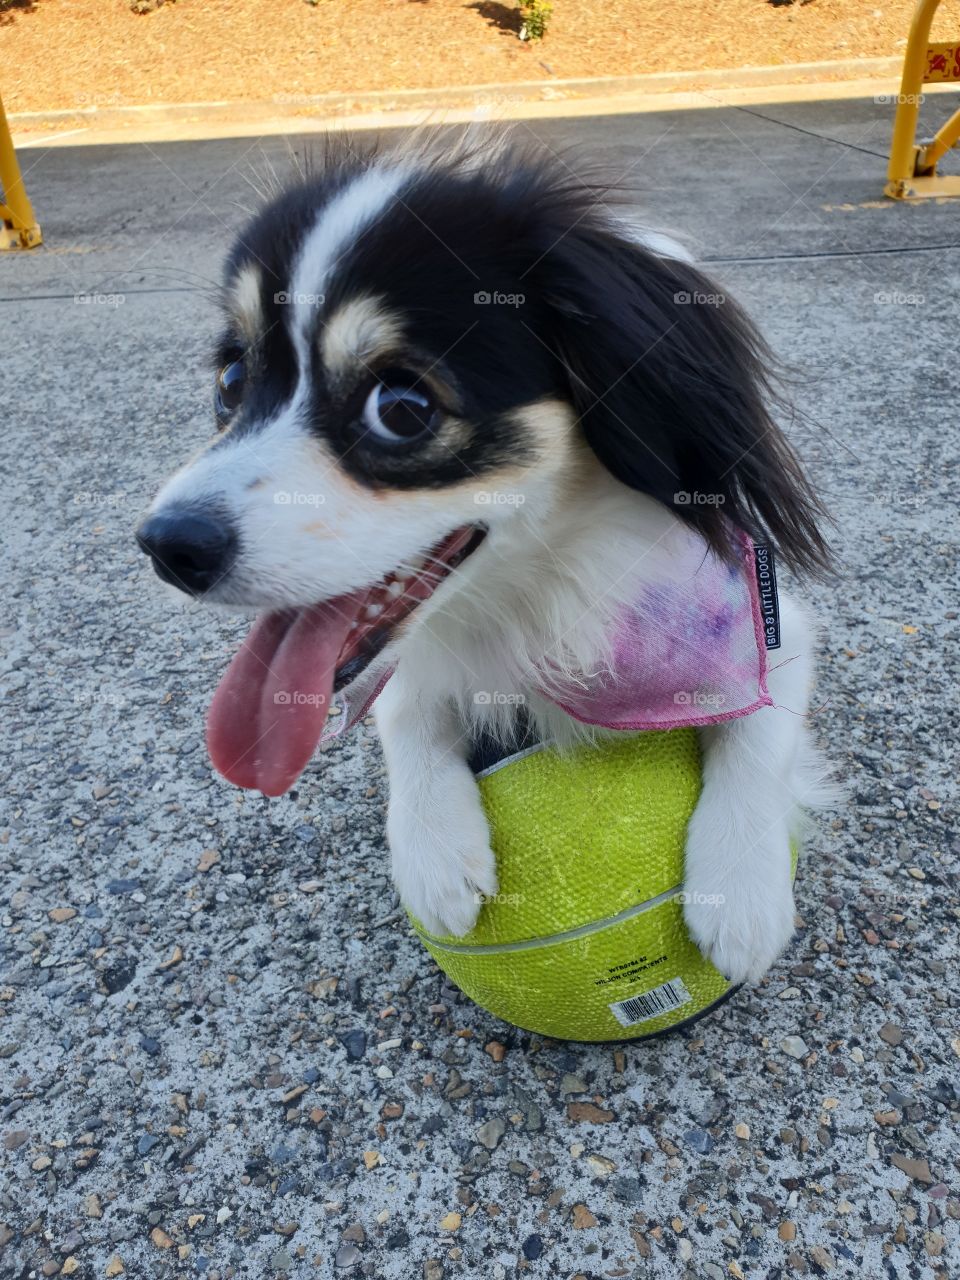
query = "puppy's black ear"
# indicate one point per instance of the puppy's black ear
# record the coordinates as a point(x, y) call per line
point(671, 382)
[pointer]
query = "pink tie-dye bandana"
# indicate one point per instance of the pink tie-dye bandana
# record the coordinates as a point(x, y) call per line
point(692, 650)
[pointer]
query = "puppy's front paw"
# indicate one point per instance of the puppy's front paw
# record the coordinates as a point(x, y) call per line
point(443, 865)
point(739, 911)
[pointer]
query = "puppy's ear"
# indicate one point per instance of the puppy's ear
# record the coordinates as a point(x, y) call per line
point(671, 382)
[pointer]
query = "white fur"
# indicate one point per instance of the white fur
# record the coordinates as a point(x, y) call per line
point(308, 532)
point(758, 773)
point(561, 579)
point(337, 228)
point(567, 545)
point(245, 303)
point(550, 576)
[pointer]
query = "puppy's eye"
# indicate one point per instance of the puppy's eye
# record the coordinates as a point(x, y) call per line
point(400, 408)
point(229, 393)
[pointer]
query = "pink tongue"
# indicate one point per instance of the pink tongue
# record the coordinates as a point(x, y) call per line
point(269, 709)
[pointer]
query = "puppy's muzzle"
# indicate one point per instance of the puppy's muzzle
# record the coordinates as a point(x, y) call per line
point(191, 549)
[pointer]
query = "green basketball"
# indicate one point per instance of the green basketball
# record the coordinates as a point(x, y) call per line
point(586, 938)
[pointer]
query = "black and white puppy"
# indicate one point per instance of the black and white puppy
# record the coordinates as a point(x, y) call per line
point(457, 397)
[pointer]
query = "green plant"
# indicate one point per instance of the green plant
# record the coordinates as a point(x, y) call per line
point(536, 14)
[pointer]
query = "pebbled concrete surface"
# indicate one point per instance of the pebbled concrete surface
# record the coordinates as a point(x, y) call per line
point(222, 1053)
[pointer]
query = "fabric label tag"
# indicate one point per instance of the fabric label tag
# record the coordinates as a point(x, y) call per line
point(767, 590)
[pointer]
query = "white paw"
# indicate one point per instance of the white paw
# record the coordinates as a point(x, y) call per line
point(738, 905)
point(443, 865)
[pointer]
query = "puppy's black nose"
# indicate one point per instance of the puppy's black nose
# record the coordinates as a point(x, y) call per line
point(189, 548)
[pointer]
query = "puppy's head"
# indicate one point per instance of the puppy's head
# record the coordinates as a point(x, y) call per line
point(415, 352)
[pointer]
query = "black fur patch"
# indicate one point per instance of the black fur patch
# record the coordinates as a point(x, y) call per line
point(514, 284)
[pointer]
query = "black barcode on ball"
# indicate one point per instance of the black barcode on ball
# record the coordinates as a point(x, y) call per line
point(671, 995)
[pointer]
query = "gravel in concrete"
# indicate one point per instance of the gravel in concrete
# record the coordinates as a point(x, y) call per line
point(222, 1052)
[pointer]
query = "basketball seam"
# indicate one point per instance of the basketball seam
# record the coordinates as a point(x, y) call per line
point(567, 935)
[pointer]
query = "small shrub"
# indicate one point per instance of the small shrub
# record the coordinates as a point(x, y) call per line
point(536, 15)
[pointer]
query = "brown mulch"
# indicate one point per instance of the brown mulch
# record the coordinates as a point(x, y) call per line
point(75, 53)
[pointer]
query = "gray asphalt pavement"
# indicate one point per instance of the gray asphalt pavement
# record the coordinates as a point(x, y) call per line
point(222, 1051)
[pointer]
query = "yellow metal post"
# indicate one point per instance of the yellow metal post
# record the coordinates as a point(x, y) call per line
point(912, 170)
point(18, 226)
point(943, 141)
